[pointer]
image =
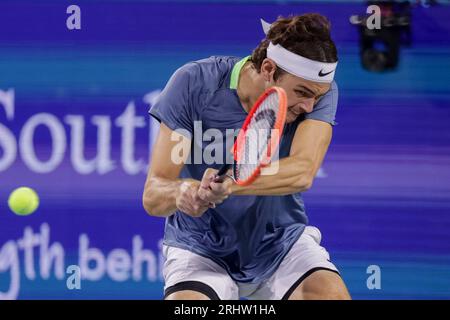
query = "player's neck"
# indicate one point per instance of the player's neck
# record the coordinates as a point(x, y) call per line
point(250, 86)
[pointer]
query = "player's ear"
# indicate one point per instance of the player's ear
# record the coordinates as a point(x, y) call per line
point(268, 68)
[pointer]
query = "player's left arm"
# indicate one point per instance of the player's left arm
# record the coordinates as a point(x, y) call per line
point(296, 172)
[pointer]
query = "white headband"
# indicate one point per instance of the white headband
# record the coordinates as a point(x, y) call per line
point(297, 65)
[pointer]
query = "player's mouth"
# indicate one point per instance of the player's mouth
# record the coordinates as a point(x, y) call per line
point(292, 115)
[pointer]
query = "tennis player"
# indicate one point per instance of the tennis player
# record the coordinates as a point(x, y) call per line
point(226, 241)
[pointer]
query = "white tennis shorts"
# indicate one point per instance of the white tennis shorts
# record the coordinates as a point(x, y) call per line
point(185, 270)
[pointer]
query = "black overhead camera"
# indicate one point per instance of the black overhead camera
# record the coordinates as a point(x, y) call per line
point(382, 32)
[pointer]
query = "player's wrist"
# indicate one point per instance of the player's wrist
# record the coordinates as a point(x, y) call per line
point(235, 188)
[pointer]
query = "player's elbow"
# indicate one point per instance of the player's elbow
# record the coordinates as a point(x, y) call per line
point(152, 206)
point(303, 183)
point(150, 202)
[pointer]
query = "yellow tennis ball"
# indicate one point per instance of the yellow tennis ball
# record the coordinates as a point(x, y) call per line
point(23, 201)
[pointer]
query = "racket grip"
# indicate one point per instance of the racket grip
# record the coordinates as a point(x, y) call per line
point(223, 170)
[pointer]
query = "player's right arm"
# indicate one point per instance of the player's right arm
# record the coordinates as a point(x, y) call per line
point(164, 192)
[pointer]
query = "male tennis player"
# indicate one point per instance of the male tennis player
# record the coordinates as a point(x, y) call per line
point(225, 241)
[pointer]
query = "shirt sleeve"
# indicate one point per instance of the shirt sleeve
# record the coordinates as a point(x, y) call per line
point(325, 110)
point(174, 105)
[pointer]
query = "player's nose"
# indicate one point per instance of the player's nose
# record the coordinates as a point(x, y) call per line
point(307, 105)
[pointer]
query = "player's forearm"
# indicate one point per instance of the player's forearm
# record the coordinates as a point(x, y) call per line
point(160, 196)
point(293, 175)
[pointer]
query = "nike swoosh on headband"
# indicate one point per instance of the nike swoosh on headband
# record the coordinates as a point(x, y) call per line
point(321, 74)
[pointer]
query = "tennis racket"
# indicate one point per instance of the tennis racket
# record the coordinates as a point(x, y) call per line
point(258, 139)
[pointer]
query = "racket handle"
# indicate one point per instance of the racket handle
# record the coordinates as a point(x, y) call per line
point(222, 171)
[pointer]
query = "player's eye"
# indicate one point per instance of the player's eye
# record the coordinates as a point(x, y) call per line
point(318, 98)
point(301, 93)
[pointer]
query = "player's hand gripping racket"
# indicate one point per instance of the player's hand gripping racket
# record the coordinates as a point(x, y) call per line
point(258, 139)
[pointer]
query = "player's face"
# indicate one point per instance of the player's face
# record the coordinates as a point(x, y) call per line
point(302, 95)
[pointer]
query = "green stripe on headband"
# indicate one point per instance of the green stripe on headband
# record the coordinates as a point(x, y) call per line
point(235, 72)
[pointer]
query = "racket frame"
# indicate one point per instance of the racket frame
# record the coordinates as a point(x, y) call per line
point(272, 145)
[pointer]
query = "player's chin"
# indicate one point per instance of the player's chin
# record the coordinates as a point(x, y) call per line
point(291, 117)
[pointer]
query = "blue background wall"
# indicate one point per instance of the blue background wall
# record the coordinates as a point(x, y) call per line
point(382, 198)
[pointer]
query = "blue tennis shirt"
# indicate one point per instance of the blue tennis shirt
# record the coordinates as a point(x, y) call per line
point(247, 235)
